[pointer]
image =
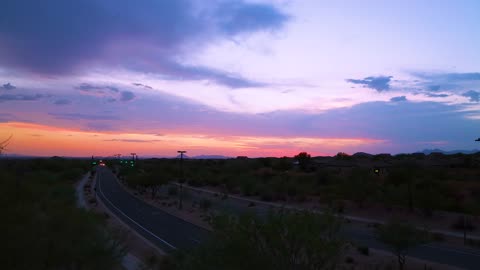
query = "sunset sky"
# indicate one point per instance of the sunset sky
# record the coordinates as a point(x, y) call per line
point(240, 77)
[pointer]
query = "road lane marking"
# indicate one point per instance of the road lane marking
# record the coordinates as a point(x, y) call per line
point(163, 241)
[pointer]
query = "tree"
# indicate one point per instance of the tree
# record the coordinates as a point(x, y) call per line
point(4, 144)
point(405, 176)
point(148, 181)
point(43, 228)
point(400, 237)
point(303, 159)
point(343, 156)
point(282, 241)
point(359, 187)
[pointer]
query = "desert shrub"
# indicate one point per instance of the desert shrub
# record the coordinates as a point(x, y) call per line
point(247, 188)
point(473, 242)
point(363, 250)
point(196, 182)
point(463, 223)
point(172, 190)
point(205, 204)
point(439, 237)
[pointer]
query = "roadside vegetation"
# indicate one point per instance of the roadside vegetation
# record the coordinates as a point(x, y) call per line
point(41, 226)
point(415, 183)
point(282, 240)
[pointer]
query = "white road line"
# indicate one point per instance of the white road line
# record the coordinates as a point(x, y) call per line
point(163, 241)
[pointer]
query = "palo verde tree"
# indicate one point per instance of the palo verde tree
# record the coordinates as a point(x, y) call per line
point(400, 237)
point(405, 176)
point(303, 159)
point(281, 241)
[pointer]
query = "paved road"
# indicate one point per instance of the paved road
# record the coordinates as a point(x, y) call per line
point(464, 258)
point(169, 232)
point(164, 230)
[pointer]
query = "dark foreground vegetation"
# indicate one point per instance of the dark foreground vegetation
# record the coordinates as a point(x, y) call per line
point(41, 227)
point(414, 182)
point(287, 240)
point(283, 240)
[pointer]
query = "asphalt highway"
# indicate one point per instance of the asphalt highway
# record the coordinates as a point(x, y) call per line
point(169, 232)
point(162, 229)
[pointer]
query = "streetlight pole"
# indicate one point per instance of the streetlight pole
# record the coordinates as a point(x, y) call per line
point(465, 219)
point(182, 179)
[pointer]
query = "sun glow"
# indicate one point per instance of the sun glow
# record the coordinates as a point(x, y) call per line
point(42, 140)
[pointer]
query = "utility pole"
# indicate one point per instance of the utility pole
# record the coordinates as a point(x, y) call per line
point(465, 219)
point(182, 179)
point(133, 159)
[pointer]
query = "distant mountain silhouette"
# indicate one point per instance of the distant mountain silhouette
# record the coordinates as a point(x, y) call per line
point(362, 154)
point(452, 152)
point(210, 157)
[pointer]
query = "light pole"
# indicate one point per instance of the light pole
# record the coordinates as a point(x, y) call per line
point(182, 179)
point(465, 219)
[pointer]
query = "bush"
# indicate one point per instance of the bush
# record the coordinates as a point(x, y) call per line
point(196, 183)
point(349, 260)
point(363, 250)
point(266, 195)
point(339, 206)
point(463, 223)
point(205, 204)
point(439, 237)
point(172, 190)
point(473, 242)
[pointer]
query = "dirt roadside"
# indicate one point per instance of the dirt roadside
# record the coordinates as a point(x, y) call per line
point(193, 213)
point(141, 253)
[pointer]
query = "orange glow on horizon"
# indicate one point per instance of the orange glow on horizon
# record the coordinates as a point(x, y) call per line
point(43, 140)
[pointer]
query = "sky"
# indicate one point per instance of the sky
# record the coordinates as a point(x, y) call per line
point(239, 77)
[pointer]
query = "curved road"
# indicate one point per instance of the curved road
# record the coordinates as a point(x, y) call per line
point(164, 230)
point(169, 232)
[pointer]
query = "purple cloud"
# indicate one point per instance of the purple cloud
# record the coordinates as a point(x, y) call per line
point(379, 83)
point(126, 96)
point(81, 33)
point(142, 85)
point(398, 99)
point(86, 87)
point(81, 116)
point(21, 97)
point(474, 96)
point(8, 86)
point(61, 102)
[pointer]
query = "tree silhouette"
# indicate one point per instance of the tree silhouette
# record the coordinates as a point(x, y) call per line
point(400, 237)
point(303, 159)
point(4, 144)
point(281, 241)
